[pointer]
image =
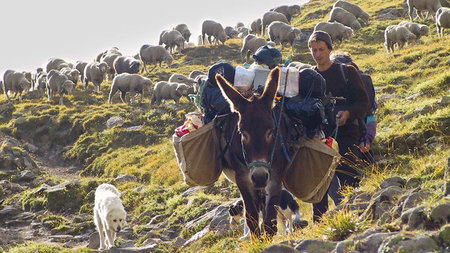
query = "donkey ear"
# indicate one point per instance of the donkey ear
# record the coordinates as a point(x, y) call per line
point(271, 88)
point(233, 97)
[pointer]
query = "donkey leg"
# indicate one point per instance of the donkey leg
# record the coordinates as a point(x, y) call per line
point(249, 197)
point(273, 198)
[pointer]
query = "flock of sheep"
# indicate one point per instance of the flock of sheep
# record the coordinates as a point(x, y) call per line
point(345, 20)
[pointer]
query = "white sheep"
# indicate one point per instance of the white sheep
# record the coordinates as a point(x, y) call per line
point(41, 83)
point(397, 35)
point(354, 9)
point(431, 6)
point(213, 29)
point(418, 29)
point(56, 63)
point(255, 26)
point(243, 31)
point(154, 55)
point(282, 33)
point(184, 30)
point(272, 16)
point(58, 82)
point(95, 73)
point(132, 83)
point(288, 11)
point(165, 90)
point(109, 59)
point(80, 66)
point(179, 78)
point(230, 32)
point(113, 50)
point(126, 64)
point(195, 73)
point(172, 39)
point(442, 20)
point(344, 17)
point(238, 25)
point(251, 44)
point(16, 82)
point(336, 30)
point(72, 74)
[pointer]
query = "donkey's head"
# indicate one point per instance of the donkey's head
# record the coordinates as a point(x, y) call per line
point(256, 125)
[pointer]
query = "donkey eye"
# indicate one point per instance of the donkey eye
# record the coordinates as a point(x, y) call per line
point(245, 136)
point(269, 133)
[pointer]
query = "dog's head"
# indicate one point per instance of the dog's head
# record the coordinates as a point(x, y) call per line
point(116, 219)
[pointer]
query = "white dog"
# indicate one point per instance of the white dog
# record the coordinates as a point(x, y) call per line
point(109, 214)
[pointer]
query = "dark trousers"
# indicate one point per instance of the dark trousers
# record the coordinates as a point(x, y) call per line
point(346, 172)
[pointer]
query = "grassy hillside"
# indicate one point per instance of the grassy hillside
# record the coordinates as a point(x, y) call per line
point(412, 139)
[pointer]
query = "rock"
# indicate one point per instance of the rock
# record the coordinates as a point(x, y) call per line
point(94, 241)
point(26, 176)
point(393, 181)
point(388, 194)
point(414, 140)
point(386, 97)
point(114, 121)
point(9, 211)
point(135, 128)
point(315, 246)
point(280, 248)
point(406, 243)
point(31, 148)
point(444, 101)
point(179, 242)
point(440, 214)
point(6, 110)
point(414, 96)
point(371, 243)
point(424, 110)
point(125, 178)
point(343, 246)
point(144, 249)
point(444, 235)
point(414, 217)
point(60, 238)
point(414, 199)
point(390, 14)
point(197, 236)
point(412, 183)
point(221, 220)
point(191, 191)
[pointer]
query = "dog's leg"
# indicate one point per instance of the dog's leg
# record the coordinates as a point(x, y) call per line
point(100, 229)
point(110, 236)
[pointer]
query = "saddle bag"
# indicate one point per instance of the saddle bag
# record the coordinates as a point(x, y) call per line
point(311, 169)
point(198, 155)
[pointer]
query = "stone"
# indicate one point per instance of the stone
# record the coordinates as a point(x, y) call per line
point(221, 220)
point(60, 238)
point(125, 178)
point(179, 242)
point(199, 235)
point(26, 176)
point(94, 241)
point(407, 243)
point(440, 214)
point(114, 121)
point(412, 183)
point(371, 243)
point(424, 110)
point(414, 140)
point(343, 246)
point(143, 249)
point(386, 97)
point(444, 101)
point(388, 194)
point(279, 248)
point(6, 110)
point(31, 148)
point(191, 191)
point(9, 211)
point(414, 96)
point(135, 128)
point(393, 181)
point(414, 199)
point(444, 235)
point(414, 217)
point(315, 246)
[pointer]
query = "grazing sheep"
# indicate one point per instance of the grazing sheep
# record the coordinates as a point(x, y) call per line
point(213, 29)
point(255, 26)
point(288, 11)
point(418, 29)
point(242, 32)
point(283, 33)
point(95, 73)
point(126, 64)
point(80, 66)
point(56, 63)
point(353, 9)
point(230, 32)
point(270, 17)
point(16, 82)
point(113, 50)
point(251, 44)
point(337, 31)
point(41, 83)
point(165, 90)
point(195, 73)
point(179, 78)
point(154, 55)
point(399, 35)
point(109, 59)
point(172, 39)
point(344, 17)
point(431, 6)
point(58, 82)
point(299, 65)
point(184, 30)
point(72, 74)
point(442, 20)
point(189, 44)
point(239, 25)
point(132, 83)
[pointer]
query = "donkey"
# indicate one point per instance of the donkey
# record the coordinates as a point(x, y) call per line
point(248, 158)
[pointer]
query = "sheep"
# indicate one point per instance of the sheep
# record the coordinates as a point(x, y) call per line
point(72, 74)
point(255, 26)
point(299, 65)
point(288, 11)
point(212, 28)
point(238, 25)
point(95, 73)
point(251, 44)
point(41, 83)
point(418, 29)
point(442, 20)
point(230, 32)
point(179, 78)
point(184, 30)
point(80, 66)
point(344, 17)
point(172, 39)
point(132, 83)
point(195, 73)
point(166, 90)
point(354, 9)
point(16, 82)
point(399, 35)
point(113, 50)
point(189, 44)
point(126, 64)
point(243, 31)
point(56, 63)
point(59, 83)
point(422, 5)
point(283, 33)
point(153, 55)
point(337, 31)
point(270, 17)
point(109, 59)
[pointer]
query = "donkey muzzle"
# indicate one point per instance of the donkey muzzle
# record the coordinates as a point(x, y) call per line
point(259, 174)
